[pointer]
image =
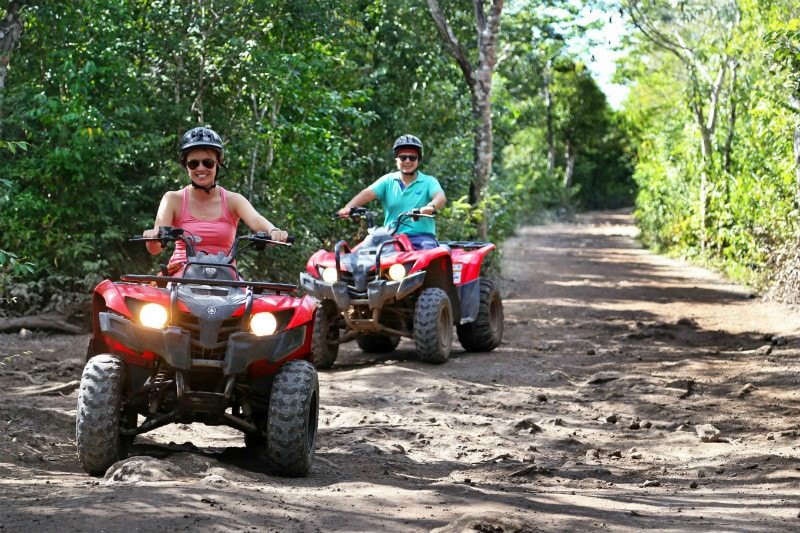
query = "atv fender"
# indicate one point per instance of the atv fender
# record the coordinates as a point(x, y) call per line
point(469, 294)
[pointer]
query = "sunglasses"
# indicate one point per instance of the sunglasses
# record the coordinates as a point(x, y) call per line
point(194, 163)
point(404, 157)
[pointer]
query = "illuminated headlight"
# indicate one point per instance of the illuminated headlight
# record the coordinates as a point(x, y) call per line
point(329, 275)
point(263, 324)
point(396, 272)
point(153, 315)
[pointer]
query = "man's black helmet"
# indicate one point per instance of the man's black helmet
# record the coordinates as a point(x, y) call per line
point(201, 138)
point(407, 141)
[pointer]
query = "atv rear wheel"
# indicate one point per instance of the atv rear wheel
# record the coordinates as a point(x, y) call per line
point(324, 335)
point(377, 343)
point(292, 419)
point(486, 332)
point(99, 414)
point(433, 325)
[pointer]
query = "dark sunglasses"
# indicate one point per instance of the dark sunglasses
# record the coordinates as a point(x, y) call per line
point(404, 157)
point(194, 163)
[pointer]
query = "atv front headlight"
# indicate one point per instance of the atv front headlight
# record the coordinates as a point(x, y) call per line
point(153, 315)
point(329, 275)
point(396, 272)
point(263, 324)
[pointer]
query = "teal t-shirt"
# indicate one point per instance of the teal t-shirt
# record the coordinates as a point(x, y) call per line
point(396, 200)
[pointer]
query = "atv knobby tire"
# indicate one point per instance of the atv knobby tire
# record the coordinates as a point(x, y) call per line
point(486, 332)
point(377, 343)
point(98, 414)
point(433, 325)
point(324, 335)
point(292, 419)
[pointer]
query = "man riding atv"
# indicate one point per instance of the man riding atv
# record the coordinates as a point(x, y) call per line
point(403, 191)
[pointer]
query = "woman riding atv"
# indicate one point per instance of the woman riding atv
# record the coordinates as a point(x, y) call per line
point(205, 210)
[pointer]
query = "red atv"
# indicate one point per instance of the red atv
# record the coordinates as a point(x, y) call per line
point(383, 289)
point(202, 346)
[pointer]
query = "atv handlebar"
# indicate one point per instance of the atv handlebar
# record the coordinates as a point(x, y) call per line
point(358, 213)
point(167, 234)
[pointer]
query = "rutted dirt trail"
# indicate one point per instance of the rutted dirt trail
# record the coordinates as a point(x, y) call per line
point(631, 392)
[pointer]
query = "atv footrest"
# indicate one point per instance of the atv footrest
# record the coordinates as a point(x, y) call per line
point(211, 403)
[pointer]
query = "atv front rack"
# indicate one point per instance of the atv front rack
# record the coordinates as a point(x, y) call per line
point(257, 286)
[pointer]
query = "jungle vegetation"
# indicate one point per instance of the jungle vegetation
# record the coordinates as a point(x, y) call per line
point(309, 96)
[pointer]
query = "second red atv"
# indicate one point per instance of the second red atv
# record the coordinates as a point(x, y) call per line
point(383, 289)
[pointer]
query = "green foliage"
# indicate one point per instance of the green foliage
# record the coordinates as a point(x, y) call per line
point(751, 209)
point(308, 97)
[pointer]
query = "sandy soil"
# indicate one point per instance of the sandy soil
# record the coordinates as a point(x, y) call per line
point(591, 416)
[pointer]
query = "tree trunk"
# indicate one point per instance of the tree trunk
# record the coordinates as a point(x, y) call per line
point(794, 104)
point(479, 80)
point(569, 171)
point(548, 100)
point(10, 30)
point(484, 151)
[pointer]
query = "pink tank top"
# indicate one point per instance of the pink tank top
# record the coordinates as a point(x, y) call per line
point(216, 235)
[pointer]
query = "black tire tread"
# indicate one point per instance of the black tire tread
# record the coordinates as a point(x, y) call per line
point(377, 343)
point(325, 354)
point(426, 323)
point(97, 418)
point(478, 336)
point(293, 410)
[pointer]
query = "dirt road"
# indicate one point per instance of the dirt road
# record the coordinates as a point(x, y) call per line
point(631, 392)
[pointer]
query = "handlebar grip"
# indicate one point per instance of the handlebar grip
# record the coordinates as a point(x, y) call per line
point(290, 239)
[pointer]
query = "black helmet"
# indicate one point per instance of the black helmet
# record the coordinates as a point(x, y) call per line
point(201, 138)
point(407, 141)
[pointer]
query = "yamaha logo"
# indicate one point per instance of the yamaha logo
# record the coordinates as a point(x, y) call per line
point(211, 311)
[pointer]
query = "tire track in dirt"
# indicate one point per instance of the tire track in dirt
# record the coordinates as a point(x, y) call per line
point(588, 417)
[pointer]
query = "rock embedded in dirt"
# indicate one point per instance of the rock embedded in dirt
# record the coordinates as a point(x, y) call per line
point(487, 523)
point(142, 469)
point(764, 350)
point(650, 483)
point(526, 423)
point(707, 433)
point(747, 389)
point(603, 377)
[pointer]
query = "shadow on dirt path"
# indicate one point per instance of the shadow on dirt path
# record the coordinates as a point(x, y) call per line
point(631, 392)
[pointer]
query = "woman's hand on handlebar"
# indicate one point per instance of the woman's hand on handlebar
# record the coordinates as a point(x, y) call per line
point(154, 247)
point(278, 235)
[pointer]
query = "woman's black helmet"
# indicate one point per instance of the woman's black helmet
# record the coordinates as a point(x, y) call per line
point(201, 138)
point(407, 141)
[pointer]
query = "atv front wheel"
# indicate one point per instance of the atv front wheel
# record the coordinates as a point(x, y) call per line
point(433, 325)
point(98, 414)
point(377, 343)
point(292, 419)
point(485, 334)
point(324, 335)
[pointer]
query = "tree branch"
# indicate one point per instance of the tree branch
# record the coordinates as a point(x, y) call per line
point(451, 41)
